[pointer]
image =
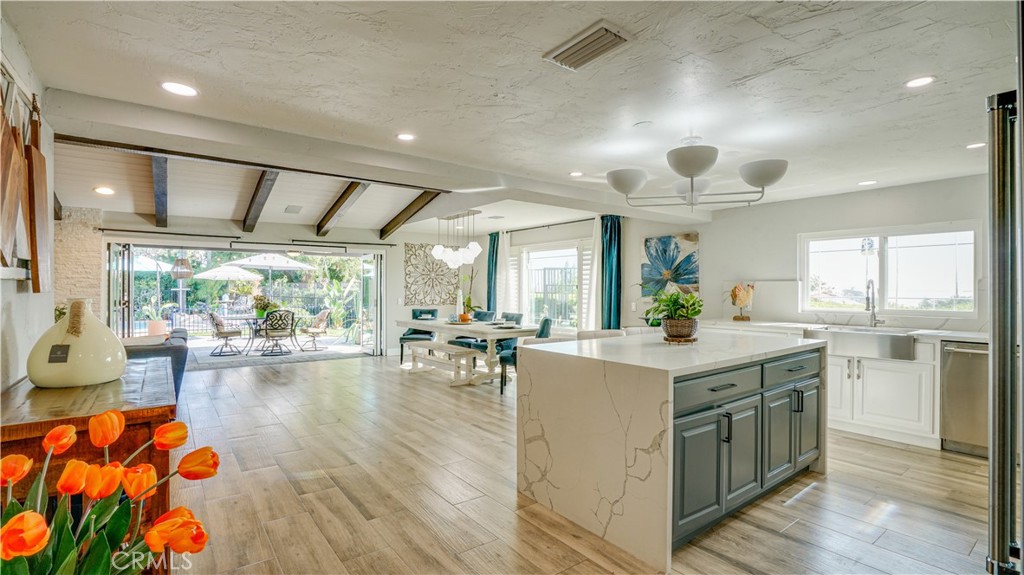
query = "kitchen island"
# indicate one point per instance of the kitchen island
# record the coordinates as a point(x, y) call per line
point(646, 444)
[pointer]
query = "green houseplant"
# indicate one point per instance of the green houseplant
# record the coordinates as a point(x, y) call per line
point(678, 313)
point(261, 304)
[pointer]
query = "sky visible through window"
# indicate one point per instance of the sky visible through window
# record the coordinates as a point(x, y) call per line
point(932, 271)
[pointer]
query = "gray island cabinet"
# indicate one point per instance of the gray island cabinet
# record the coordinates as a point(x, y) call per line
point(647, 444)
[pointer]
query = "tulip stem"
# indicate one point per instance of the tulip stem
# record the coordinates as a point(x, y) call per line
point(155, 485)
point(137, 451)
point(10, 492)
point(85, 513)
point(106, 455)
point(46, 463)
point(138, 524)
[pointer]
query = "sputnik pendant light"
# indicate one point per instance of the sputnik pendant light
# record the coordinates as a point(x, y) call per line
point(692, 160)
point(459, 229)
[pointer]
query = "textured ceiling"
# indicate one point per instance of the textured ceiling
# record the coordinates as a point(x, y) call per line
point(818, 84)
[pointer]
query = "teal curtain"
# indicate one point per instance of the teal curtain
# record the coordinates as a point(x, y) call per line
point(492, 271)
point(611, 271)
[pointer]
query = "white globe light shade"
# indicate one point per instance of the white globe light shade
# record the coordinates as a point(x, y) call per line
point(692, 161)
point(627, 181)
point(700, 185)
point(474, 248)
point(763, 173)
point(437, 251)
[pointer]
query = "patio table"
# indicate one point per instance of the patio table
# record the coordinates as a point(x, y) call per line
point(445, 330)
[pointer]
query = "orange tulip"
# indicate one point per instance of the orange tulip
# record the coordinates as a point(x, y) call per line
point(178, 529)
point(24, 535)
point(106, 427)
point(200, 464)
point(102, 481)
point(176, 513)
point(60, 438)
point(170, 435)
point(138, 479)
point(13, 469)
point(72, 480)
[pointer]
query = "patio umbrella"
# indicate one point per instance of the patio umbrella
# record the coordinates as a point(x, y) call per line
point(270, 262)
point(227, 273)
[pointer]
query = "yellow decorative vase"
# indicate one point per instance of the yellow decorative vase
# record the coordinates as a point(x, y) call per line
point(78, 350)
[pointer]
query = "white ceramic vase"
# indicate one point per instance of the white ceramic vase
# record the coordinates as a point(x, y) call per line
point(76, 351)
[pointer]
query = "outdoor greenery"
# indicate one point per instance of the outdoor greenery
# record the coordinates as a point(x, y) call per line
point(334, 282)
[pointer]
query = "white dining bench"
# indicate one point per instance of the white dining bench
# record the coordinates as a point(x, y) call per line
point(458, 359)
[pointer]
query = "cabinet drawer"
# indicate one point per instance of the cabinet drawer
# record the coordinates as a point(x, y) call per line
point(791, 369)
point(717, 388)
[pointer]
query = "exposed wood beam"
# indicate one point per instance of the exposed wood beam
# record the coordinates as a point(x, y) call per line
point(259, 199)
point(58, 208)
point(168, 153)
point(160, 190)
point(407, 212)
point(345, 200)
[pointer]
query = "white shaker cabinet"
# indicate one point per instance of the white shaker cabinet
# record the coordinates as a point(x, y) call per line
point(886, 398)
point(840, 381)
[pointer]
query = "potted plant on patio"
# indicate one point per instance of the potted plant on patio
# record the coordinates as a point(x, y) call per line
point(156, 317)
point(261, 304)
point(678, 313)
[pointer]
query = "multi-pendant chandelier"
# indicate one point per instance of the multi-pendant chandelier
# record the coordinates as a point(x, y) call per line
point(459, 229)
point(692, 160)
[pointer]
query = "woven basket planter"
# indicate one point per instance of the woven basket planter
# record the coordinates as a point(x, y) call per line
point(679, 328)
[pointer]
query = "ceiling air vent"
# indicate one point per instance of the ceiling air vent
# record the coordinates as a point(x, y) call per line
point(292, 209)
point(588, 45)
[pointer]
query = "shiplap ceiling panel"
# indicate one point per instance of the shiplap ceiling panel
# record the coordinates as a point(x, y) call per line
point(77, 170)
point(207, 189)
point(378, 204)
point(313, 194)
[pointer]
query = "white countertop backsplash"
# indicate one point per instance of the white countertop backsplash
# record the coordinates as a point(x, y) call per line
point(714, 349)
point(927, 334)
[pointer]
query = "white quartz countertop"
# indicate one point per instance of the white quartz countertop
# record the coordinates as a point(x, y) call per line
point(712, 350)
point(929, 334)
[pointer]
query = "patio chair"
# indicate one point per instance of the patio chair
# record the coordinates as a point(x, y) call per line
point(314, 330)
point(222, 331)
point(278, 327)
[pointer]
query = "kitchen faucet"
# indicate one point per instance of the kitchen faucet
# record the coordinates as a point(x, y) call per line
point(869, 305)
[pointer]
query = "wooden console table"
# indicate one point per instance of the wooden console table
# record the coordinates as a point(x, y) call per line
point(144, 394)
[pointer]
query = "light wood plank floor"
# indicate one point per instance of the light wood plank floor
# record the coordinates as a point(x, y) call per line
point(357, 466)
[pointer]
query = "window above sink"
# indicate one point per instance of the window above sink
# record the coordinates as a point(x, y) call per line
point(919, 271)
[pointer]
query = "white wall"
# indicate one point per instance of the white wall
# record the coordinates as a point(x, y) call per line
point(759, 243)
point(23, 315)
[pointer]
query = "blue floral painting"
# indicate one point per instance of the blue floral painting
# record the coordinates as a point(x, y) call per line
point(672, 264)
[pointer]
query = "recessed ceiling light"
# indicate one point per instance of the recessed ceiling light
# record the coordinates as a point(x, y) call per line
point(867, 183)
point(575, 174)
point(975, 146)
point(179, 89)
point(406, 137)
point(495, 217)
point(104, 190)
point(918, 82)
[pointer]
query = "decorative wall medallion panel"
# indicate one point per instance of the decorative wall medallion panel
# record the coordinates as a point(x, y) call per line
point(428, 281)
point(670, 263)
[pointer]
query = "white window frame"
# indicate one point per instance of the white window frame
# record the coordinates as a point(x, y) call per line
point(522, 254)
point(804, 240)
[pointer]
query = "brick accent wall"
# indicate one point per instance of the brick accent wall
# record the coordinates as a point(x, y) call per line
point(79, 260)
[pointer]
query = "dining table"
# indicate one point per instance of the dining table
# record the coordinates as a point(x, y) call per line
point(490, 332)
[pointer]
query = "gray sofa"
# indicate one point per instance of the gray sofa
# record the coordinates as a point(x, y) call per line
point(176, 347)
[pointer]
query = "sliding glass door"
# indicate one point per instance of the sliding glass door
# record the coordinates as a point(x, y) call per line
point(119, 288)
point(371, 338)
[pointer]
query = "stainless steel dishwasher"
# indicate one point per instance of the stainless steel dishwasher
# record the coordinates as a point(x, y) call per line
point(963, 384)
